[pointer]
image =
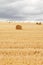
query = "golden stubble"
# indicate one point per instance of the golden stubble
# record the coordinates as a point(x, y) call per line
point(21, 47)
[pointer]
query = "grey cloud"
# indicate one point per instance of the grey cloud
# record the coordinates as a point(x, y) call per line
point(21, 9)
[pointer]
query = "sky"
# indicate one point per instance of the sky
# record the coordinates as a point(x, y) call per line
point(21, 10)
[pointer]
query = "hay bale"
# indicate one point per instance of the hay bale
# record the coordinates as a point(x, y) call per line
point(18, 27)
point(38, 23)
point(8, 21)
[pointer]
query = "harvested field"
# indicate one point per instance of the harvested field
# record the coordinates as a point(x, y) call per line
point(21, 47)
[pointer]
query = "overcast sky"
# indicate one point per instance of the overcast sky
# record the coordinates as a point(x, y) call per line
point(21, 10)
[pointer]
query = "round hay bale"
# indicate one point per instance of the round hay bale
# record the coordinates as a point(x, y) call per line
point(8, 21)
point(36, 22)
point(18, 27)
point(39, 23)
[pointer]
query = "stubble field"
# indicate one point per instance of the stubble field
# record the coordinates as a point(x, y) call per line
point(21, 47)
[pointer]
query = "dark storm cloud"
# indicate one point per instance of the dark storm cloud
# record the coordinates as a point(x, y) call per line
point(21, 9)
